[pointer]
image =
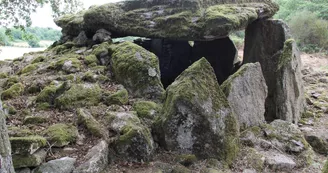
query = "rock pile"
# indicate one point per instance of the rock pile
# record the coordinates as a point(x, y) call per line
point(90, 105)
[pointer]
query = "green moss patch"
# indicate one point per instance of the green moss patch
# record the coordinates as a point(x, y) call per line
point(146, 109)
point(79, 95)
point(3, 75)
point(90, 59)
point(137, 69)
point(91, 124)
point(61, 134)
point(35, 120)
point(119, 98)
point(28, 68)
point(27, 145)
point(14, 91)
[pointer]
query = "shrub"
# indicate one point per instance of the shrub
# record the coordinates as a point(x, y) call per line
point(310, 31)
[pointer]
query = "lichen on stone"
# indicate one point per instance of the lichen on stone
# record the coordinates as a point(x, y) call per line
point(91, 124)
point(287, 53)
point(27, 145)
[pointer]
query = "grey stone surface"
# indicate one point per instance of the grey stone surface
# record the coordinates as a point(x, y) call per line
point(183, 20)
point(279, 162)
point(23, 170)
point(81, 39)
point(32, 160)
point(96, 159)
point(6, 165)
point(197, 117)
point(101, 35)
point(280, 62)
point(246, 92)
point(62, 165)
point(135, 142)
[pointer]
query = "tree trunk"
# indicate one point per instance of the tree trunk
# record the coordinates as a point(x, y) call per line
point(6, 165)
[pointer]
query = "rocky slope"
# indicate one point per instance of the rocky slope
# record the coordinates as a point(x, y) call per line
point(88, 105)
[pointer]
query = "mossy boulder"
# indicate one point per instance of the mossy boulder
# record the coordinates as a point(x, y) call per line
point(19, 132)
point(14, 91)
point(34, 120)
point(246, 92)
point(69, 64)
point(120, 97)
point(147, 109)
point(137, 69)
point(89, 76)
point(90, 59)
point(29, 68)
point(39, 59)
point(91, 124)
point(197, 118)
point(79, 95)
point(182, 20)
point(26, 145)
point(32, 160)
point(318, 141)
point(71, 24)
point(135, 142)
point(50, 92)
point(61, 134)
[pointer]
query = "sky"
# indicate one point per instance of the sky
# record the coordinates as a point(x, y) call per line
point(43, 18)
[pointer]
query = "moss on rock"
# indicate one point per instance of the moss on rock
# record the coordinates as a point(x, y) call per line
point(79, 95)
point(61, 134)
point(120, 97)
point(11, 81)
point(19, 132)
point(325, 168)
point(135, 142)
point(69, 63)
point(90, 59)
point(14, 91)
point(29, 68)
point(49, 93)
point(146, 109)
point(26, 145)
point(33, 160)
point(194, 105)
point(3, 75)
point(91, 124)
point(137, 69)
point(38, 59)
point(34, 120)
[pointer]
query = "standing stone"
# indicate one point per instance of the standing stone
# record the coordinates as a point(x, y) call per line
point(137, 69)
point(264, 43)
point(6, 165)
point(246, 92)
point(289, 96)
point(197, 118)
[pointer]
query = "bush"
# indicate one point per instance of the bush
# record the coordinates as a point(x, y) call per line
point(34, 42)
point(310, 31)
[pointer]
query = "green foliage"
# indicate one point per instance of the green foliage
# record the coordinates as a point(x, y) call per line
point(310, 31)
point(18, 13)
point(308, 21)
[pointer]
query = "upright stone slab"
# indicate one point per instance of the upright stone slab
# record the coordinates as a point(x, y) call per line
point(197, 118)
point(264, 43)
point(6, 165)
point(246, 92)
point(137, 69)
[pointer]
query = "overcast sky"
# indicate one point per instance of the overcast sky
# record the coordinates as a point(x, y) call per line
point(42, 17)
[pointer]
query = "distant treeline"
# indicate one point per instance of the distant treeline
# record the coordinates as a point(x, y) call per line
point(32, 35)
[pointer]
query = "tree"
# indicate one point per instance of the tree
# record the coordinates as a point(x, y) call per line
point(5, 150)
point(18, 12)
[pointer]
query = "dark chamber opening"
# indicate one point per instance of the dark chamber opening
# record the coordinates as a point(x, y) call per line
point(175, 56)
